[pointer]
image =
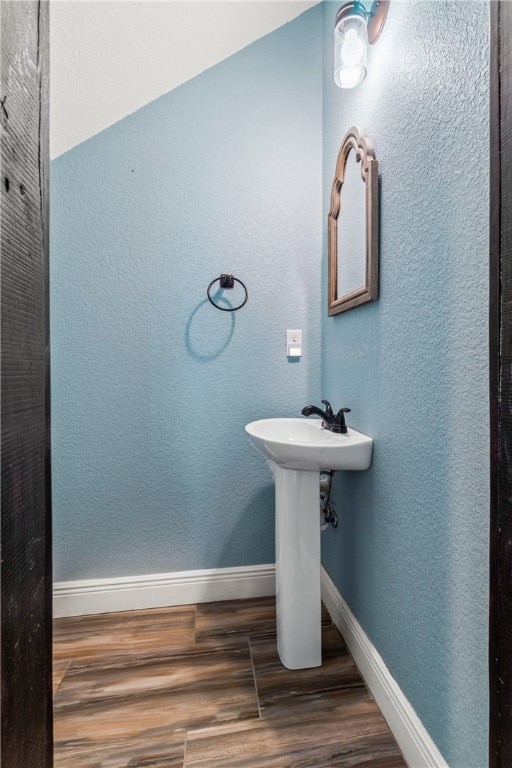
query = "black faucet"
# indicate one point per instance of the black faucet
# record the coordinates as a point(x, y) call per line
point(329, 420)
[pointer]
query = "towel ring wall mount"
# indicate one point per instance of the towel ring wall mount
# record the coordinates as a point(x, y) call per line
point(227, 281)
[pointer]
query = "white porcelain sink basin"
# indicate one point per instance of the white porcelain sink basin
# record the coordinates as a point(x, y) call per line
point(305, 444)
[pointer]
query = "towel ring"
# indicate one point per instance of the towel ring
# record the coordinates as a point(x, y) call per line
point(227, 281)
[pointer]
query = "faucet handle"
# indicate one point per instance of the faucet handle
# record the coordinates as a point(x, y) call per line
point(339, 421)
point(328, 409)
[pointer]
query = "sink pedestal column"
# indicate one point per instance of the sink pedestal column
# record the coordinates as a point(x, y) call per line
point(299, 630)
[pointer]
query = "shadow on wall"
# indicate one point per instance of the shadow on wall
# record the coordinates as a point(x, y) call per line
point(256, 515)
point(201, 346)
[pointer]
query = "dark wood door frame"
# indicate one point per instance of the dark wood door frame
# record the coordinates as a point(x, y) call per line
point(26, 565)
point(500, 349)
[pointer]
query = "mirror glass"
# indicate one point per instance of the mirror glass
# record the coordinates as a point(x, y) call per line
point(351, 244)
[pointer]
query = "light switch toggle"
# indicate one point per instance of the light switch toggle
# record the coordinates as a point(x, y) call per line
point(294, 343)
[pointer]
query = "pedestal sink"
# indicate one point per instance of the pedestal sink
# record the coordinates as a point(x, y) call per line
point(300, 449)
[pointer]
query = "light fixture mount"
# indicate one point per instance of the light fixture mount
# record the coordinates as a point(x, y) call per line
point(352, 8)
point(377, 19)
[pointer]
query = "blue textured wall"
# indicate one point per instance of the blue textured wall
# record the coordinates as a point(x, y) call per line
point(411, 551)
point(151, 386)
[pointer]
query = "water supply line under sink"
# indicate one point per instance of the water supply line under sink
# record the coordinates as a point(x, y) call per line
point(327, 512)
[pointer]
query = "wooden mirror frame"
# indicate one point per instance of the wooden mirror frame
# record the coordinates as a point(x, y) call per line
point(363, 149)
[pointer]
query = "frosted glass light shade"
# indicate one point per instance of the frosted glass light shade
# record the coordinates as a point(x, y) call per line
point(350, 49)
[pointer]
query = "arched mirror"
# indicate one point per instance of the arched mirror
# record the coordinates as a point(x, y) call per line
point(353, 226)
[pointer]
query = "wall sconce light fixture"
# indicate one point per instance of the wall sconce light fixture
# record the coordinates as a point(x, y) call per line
point(354, 28)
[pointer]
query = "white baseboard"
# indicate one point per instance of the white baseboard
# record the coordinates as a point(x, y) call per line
point(411, 735)
point(128, 593)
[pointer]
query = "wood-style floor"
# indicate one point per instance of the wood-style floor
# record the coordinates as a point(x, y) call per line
point(202, 687)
